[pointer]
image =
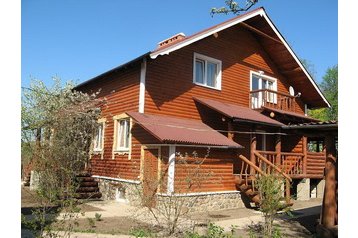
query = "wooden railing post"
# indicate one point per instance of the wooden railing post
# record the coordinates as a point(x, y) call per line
point(304, 151)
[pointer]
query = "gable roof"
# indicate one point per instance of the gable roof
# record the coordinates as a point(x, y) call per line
point(237, 112)
point(281, 54)
point(271, 40)
point(183, 131)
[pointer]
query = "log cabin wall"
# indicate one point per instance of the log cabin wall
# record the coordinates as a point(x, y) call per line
point(214, 174)
point(169, 78)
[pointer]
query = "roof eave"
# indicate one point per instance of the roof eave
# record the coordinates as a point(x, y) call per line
point(112, 70)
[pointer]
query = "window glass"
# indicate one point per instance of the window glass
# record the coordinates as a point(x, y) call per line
point(99, 138)
point(123, 134)
point(199, 71)
point(255, 82)
point(211, 74)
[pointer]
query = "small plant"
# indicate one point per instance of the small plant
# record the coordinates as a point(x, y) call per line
point(91, 222)
point(214, 231)
point(140, 232)
point(98, 216)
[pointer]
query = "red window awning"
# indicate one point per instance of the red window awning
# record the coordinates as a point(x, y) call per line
point(171, 130)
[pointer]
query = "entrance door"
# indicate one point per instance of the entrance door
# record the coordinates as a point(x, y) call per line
point(150, 177)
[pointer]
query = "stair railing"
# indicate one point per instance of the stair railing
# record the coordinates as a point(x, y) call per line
point(270, 168)
point(245, 171)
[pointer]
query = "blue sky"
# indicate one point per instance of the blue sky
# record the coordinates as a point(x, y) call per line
point(77, 40)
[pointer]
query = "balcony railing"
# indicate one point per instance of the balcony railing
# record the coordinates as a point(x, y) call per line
point(272, 99)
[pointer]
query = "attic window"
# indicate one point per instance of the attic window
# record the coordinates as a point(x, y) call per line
point(207, 71)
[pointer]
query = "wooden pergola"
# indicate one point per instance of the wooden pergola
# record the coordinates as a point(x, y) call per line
point(328, 226)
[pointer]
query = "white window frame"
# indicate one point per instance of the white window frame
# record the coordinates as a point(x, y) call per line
point(96, 148)
point(207, 59)
point(261, 76)
point(121, 150)
point(126, 130)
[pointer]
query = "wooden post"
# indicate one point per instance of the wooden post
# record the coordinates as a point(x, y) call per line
point(304, 151)
point(278, 150)
point(329, 208)
point(230, 129)
point(252, 151)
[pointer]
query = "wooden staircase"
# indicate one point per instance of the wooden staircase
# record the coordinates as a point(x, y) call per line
point(88, 187)
point(251, 171)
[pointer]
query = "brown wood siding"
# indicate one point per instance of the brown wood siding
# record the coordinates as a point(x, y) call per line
point(214, 174)
point(121, 91)
point(169, 79)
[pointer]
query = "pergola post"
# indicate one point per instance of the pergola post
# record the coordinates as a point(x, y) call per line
point(252, 151)
point(304, 151)
point(329, 209)
point(278, 149)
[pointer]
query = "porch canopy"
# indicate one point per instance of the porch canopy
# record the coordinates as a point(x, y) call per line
point(239, 113)
point(172, 130)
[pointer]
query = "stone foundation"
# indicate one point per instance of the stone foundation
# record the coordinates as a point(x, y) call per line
point(303, 189)
point(202, 202)
point(130, 192)
point(122, 191)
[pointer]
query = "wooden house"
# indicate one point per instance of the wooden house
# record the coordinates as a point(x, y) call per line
point(235, 88)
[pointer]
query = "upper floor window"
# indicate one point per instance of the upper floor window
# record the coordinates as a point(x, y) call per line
point(207, 71)
point(122, 136)
point(98, 139)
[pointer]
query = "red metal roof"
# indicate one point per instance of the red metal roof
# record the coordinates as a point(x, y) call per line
point(183, 131)
point(239, 112)
point(307, 118)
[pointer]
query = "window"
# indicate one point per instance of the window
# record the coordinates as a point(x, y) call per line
point(258, 83)
point(123, 132)
point(207, 71)
point(98, 140)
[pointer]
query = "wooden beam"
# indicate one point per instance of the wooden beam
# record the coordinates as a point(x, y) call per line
point(260, 32)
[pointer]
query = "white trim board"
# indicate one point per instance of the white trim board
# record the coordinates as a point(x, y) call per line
point(116, 179)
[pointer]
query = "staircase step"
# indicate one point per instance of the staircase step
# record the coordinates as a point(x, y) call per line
point(87, 189)
point(85, 179)
point(88, 195)
point(89, 184)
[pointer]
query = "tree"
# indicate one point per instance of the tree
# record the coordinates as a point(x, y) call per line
point(329, 87)
point(57, 127)
point(233, 7)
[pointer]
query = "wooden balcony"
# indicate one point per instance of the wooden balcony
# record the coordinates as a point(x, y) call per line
point(272, 99)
